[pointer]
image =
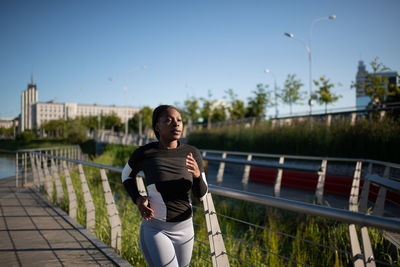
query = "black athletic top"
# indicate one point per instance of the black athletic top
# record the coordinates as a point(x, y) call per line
point(168, 181)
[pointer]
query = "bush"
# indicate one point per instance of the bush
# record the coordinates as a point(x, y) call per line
point(76, 132)
point(26, 137)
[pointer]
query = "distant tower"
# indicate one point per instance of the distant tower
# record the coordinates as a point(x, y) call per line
point(362, 99)
point(28, 108)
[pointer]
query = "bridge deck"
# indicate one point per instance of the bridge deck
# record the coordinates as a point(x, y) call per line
point(35, 233)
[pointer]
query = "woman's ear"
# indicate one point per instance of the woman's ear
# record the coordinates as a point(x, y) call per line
point(157, 127)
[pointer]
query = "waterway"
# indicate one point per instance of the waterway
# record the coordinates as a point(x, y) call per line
point(7, 165)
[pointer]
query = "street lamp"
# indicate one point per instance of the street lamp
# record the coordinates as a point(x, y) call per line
point(275, 94)
point(308, 48)
point(125, 88)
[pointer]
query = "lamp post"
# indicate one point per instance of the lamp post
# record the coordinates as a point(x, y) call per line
point(308, 48)
point(275, 94)
point(125, 88)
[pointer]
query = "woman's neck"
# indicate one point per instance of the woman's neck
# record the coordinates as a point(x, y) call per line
point(168, 144)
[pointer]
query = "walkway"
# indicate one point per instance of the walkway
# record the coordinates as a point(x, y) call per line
point(35, 233)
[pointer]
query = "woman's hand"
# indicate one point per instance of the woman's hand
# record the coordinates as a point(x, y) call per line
point(146, 212)
point(193, 167)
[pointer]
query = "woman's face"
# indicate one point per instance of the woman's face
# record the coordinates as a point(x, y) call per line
point(170, 125)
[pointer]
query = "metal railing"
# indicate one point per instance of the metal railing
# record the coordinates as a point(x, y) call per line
point(44, 178)
point(310, 164)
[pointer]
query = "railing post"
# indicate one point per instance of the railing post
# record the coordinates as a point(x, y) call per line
point(379, 206)
point(113, 216)
point(359, 258)
point(73, 207)
point(90, 210)
point(217, 246)
point(49, 182)
point(328, 120)
point(16, 169)
point(40, 172)
point(34, 171)
point(353, 200)
point(246, 171)
point(59, 189)
point(25, 167)
point(364, 196)
point(353, 118)
point(319, 192)
point(221, 169)
point(278, 179)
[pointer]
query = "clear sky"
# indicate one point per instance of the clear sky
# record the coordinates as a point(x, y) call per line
point(93, 51)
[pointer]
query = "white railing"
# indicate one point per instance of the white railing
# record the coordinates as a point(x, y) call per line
point(46, 169)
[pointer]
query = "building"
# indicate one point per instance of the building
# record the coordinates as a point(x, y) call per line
point(35, 113)
point(7, 122)
point(362, 100)
point(29, 99)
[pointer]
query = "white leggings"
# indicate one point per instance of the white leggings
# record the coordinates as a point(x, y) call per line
point(167, 243)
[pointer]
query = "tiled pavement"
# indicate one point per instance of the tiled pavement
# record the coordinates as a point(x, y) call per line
point(35, 233)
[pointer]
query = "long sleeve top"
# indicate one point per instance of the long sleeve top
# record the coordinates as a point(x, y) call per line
point(168, 181)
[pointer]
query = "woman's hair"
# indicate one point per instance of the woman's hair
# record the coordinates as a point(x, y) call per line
point(157, 113)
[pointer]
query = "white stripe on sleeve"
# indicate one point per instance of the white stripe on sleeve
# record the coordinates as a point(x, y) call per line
point(126, 172)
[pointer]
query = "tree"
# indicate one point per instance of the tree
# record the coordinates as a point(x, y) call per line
point(54, 128)
point(207, 108)
point(75, 131)
point(376, 86)
point(91, 122)
point(143, 117)
point(218, 113)
point(110, 121)
point(236, 109)
point(191, 109)
point(291, 94)
point(26, 137)
point(258, 103)
point(324, 94)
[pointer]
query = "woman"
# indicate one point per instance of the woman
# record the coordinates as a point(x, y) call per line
point(171, 170)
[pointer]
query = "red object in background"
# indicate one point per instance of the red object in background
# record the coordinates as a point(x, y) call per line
point(334, 184)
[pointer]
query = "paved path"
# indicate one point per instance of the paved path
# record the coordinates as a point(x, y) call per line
point(34, 233)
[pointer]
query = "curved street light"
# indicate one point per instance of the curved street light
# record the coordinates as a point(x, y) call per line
point(308, 48)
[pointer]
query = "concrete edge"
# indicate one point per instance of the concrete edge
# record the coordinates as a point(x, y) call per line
point(105, 249)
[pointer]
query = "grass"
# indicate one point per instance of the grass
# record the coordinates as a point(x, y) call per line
point(366, 139)
point(271, 234)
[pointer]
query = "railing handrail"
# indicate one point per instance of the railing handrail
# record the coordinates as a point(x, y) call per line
point(92, 164)
point(266, 155)
point(347, 216)
point(285, 166)
point(390, 184)
point(379, 222)
point(44, 148)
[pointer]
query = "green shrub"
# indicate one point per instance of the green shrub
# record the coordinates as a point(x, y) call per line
point(75, 132)
point(26, 137)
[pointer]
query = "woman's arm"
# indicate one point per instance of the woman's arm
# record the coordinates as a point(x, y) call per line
point(199, 187)
point(129, 181)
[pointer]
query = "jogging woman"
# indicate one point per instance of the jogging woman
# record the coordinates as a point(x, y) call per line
point(172, 169)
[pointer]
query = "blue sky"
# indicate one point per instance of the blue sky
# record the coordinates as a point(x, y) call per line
point(93, 51)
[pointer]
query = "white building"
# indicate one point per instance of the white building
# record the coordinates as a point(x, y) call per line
point(362, 100)
point(7, 122)
point(35, 113)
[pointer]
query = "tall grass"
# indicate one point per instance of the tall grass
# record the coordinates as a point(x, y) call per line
point(272, 230)
point(366, 139)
